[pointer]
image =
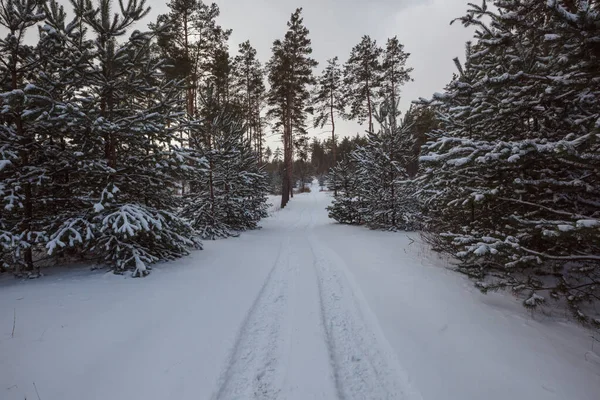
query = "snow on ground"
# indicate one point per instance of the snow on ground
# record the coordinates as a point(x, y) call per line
point(301, 309)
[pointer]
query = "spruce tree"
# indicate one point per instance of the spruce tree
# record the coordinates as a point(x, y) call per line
point(363, 79)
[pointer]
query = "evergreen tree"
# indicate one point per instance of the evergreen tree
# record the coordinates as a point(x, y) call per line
point(191, 43)
point(250, 88)
point(394, 71)
point(329, 100)
point(21, 105)
point(375, 186)
point(125, 177)
point(237, 200)
point(290, 74)
point(347, 204)
point(381, 172)
point(363, 80)
point(510, 175)
point(423, 120)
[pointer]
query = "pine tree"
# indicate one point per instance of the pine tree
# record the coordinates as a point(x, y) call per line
point(191, 43)
point(127, 123)
point(249, 87)
point(329, 100)
point(20, 104)
point(510, 174)
point(363, 79)
point(375, 185)
point(394, 71)
point(347, 204)
point(237, 201)
point(290, 74)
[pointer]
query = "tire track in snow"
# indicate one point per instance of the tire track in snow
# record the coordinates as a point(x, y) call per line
point(256, 365)
point(364, 364)
point(253, 370)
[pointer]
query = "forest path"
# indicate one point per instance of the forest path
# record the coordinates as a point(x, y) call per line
point(309, 333)
point(303, 308)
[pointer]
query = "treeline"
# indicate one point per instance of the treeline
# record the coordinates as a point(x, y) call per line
point(350, 91)
point(509, 177)
point(374, 184)
point(122, 145)
point(320, 161)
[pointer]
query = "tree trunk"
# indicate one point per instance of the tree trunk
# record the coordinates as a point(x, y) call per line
point(285, 189)
point(210, 178)
point(333, 136)
point(190, 90)
point(369, 106)
point(393, 105)
point(290, 164)
point(24, 154)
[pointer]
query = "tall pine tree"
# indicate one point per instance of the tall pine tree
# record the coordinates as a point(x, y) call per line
point(249, 87)
point(290, 74)
point(363, 79)
point(329, 101)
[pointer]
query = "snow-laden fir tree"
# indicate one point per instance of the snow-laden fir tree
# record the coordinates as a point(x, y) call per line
point(375, 186)
point(231, 195)
point(383, 179)
point(19, 232)
point(347, 204)
point(127, 167)
point(512, 175)
point(245, 184)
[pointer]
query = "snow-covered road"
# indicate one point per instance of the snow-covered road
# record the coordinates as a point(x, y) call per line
point(301, 309)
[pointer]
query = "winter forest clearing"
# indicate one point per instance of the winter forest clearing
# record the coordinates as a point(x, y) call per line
point(302, 309)
point(139, 145)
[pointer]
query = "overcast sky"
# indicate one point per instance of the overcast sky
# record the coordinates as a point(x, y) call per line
point(423, 26)
point(337, 25)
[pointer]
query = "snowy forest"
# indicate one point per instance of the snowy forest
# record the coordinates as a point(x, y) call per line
point(132, 146)
point(508, 156)
point(124, 145)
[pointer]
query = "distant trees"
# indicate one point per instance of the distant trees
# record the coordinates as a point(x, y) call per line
point(250, 92)
point(372, 183)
